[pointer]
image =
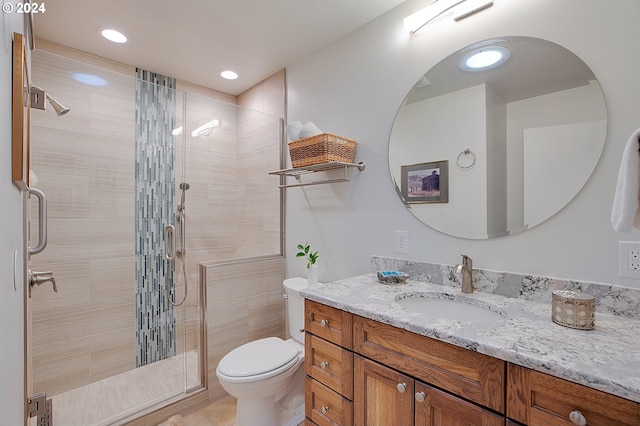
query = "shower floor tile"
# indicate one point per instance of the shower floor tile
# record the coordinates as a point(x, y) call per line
point(107, 400)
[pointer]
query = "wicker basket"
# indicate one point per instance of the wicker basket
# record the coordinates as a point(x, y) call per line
point(323, 148)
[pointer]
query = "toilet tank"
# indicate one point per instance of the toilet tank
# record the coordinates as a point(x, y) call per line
point(295, 307)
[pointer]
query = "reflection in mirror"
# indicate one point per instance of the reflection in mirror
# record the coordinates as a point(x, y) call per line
point(522, 137)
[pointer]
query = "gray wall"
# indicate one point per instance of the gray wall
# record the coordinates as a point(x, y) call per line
point(355, 87)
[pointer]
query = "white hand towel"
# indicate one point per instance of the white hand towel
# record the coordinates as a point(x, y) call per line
point(309, 129)
point(293, 130)
point(625, 213)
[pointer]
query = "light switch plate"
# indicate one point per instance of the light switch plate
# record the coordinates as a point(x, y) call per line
point(402, 242)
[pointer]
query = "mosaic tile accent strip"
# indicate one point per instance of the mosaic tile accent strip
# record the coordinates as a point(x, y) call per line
point(154, 208)
point(621, 301)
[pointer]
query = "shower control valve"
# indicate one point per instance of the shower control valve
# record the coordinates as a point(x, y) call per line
point(39, 278)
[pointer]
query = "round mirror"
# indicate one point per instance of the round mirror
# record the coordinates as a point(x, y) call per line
point(492, 145)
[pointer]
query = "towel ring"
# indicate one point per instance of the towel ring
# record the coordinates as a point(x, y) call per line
point(466, 159)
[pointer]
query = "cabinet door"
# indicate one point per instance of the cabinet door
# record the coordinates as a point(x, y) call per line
point(382, 396)
point(437, 408)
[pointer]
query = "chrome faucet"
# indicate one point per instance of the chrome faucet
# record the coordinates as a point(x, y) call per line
point(466, 269)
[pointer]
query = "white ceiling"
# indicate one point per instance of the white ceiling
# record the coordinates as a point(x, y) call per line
point(193, 40)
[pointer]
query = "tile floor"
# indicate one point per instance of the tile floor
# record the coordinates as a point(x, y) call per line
point(219, 413)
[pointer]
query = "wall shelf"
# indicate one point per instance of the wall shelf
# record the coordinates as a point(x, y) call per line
point(334, 165)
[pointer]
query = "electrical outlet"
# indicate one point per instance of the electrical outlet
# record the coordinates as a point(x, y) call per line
point(629, 259)
point(634, 260)
point(402, 242)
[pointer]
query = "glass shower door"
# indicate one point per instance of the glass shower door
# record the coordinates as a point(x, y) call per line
point(109, 343)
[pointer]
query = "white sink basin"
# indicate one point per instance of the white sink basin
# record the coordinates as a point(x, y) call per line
point(436, 306)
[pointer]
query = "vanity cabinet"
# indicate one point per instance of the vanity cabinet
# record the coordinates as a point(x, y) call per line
point(365, 373)
point(536, 398)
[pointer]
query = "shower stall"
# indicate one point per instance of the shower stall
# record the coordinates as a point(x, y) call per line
point(145, 180)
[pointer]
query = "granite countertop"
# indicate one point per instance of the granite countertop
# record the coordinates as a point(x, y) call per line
point(606, 358)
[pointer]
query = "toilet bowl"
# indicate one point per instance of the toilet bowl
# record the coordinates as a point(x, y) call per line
point(267, 375)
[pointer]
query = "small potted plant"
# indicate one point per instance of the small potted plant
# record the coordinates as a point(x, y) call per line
point(304, 250)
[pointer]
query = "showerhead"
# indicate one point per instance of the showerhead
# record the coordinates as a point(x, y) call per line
point(57, 106)
point(184, 186)
point(37, 101)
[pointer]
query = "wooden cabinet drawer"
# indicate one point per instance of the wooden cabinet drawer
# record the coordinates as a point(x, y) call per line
point(329, 364)
point(471, 375)
point(329, 323)
point(326, 407)
point(536, 398)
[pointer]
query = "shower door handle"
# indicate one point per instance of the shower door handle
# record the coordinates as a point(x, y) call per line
point(170, 243)
point(42, 222)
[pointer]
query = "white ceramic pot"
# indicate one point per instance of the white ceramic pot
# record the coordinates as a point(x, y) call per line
point(312, 276)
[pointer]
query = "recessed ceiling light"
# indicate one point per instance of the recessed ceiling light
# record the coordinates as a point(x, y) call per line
point(90, 79)
point(114, 35)
point(484, 58)
point(229, 75)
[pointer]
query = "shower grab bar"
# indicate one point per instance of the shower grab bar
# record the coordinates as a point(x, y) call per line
point(170, 243)
point(42, 222)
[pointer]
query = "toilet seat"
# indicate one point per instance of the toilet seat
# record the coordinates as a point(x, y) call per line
point(258, 360)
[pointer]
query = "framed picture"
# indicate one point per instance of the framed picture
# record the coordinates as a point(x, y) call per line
point(425, 182)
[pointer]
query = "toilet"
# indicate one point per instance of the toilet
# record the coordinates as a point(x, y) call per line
point(267, 375)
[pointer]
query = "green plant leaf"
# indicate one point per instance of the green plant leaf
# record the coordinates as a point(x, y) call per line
point(305, 251)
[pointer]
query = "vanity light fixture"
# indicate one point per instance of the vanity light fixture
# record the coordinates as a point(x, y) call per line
point(113, 35)
point(205, 128)
point(459, 8)
point(484, 58)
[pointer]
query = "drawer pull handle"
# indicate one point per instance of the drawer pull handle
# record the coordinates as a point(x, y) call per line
point(420, 396)
point(324, 409)
point(324, 323)
point(577, 418)
point(324, 365)
point(402, 387)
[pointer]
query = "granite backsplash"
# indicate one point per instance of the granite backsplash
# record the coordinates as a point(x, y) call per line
point(610, 299)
